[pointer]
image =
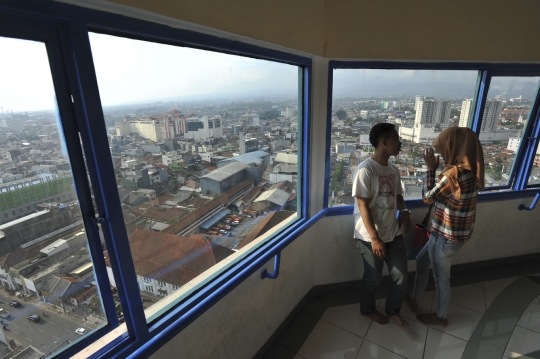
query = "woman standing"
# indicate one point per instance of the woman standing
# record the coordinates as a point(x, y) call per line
point(454, 200)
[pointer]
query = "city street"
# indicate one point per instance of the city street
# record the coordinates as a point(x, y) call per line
point(51, 332)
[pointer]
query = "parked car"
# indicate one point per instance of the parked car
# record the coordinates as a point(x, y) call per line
point(227, 221)
point(34, 318)
point(235, 223)
point(81, 331)
point(222, 231)
point(15, 304)
point(3, 313)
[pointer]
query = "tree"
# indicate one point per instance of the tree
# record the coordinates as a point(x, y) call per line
point(338, 175)
point(207, 192)
point(341, 114)
point(498, 160)
point(173, 184)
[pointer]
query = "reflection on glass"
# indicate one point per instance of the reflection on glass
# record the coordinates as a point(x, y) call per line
point(421, 103)
point(48, 292)
point(505, 116)
point(205, 150)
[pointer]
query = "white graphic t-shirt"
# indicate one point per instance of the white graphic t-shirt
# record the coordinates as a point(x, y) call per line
point(381, 184)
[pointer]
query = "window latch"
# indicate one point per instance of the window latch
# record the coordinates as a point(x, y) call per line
point(97, 221)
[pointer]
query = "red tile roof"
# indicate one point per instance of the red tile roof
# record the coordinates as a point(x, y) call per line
point(171, 258)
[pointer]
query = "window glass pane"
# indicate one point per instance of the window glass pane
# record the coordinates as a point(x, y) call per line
point(421, 103)
point(205, 149)
point(505, 116)
point(49, 297)
point(534, 178)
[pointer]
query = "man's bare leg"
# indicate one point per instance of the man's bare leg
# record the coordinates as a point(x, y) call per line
point(400, 321)
point(378, 318)
point(411, 303)
point(431, 319)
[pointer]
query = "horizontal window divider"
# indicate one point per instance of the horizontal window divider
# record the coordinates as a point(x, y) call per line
point(502, 196)
point(180, 317)
point(498, 69)
point(418, 203)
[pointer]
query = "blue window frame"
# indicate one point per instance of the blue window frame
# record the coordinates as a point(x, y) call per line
point(517, 186)
point(64, 29)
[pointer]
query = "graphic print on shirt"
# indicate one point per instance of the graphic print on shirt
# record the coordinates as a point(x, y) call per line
point(385, 201)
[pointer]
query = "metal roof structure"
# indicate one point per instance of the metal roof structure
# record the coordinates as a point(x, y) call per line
point(225, 172)
point(215, 218)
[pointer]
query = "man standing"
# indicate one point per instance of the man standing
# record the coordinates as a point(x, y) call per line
point(378, 192)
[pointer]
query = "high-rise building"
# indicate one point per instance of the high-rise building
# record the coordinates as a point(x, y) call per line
point(491, 115)
point(200, 128)
point(465, 112)
point(417, 100)
point(433, 112)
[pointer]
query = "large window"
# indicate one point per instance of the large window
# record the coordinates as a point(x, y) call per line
point(421, 103)
point(505, 117)
point(497, 102)
point(138, 179)
point(205, 148)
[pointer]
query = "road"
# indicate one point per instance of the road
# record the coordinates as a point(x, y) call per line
point(53, 329)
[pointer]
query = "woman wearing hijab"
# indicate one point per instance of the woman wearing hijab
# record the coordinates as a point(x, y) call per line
point(454, 200)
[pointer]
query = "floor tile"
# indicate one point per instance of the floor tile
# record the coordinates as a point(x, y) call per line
point(490, 296)
point(523, 341)
point(462, 321)
point(373, 351)
point(348, 317)
point(327, 341)
point(500, 284)
point(470, 297)
point(443, 346)
point(424, 307)
point(482, 350)
point(407, 342)
point(278, 351)
point(479, 284)
point(295, 335)
point(531, 318)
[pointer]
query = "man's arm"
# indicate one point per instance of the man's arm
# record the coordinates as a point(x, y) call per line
point(377, 245)
point(404, 218)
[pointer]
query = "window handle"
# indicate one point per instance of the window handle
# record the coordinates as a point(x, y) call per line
point(265, 274)
point(533, 204)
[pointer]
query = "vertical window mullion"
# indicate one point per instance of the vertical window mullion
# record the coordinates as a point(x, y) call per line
point(97, 153)
point(326, 194)
point(480, 103)
point(71, 134)
point(525, 157)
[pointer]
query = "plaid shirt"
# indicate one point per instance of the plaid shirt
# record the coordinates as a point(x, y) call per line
point(452, 218)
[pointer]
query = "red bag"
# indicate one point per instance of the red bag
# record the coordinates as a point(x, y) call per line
point(421, 237)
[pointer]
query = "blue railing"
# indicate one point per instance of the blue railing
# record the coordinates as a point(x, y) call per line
point(265, 274)
point(533, 204)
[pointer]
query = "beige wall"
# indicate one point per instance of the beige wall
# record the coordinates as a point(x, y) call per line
point(459, 30)
point(297, 24)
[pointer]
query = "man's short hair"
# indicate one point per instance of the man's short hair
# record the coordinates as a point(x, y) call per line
point(380, 131)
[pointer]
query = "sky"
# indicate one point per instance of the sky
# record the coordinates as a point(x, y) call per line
point(133, 71)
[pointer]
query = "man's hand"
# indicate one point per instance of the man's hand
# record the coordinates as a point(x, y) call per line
point(378, 247)
point(405, 221)
point(431, 162)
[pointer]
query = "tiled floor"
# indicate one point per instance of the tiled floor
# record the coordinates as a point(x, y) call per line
point(341, 332)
